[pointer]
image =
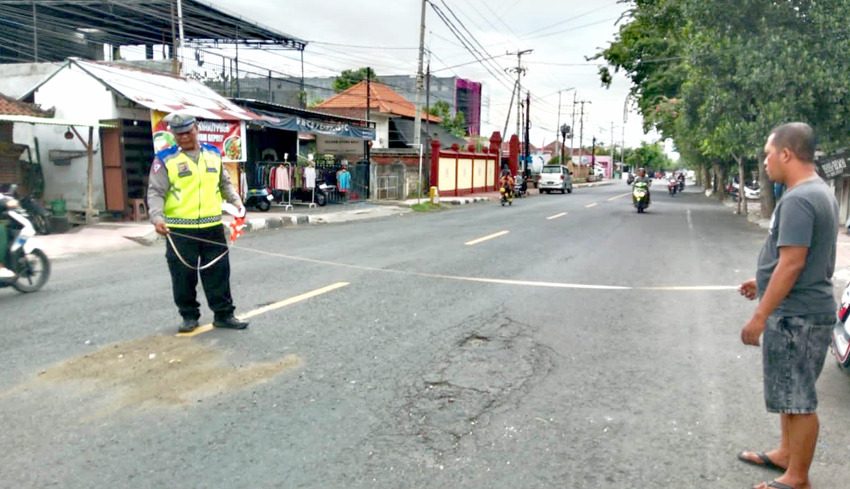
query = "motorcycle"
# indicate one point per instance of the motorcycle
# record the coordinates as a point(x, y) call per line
point(506, 197)
point(640, 196)
point(32, 210)
point(520, 187)
point(751, 191)
point(30, 264)
point(672, 186)
point(259, 198)
point(681, 185)
point(841, 333)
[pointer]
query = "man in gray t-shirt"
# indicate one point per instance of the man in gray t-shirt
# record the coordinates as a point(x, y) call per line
point(796, 310)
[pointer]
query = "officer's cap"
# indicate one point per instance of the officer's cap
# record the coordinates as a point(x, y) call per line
point(180, 123)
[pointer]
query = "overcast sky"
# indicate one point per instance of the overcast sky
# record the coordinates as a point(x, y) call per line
point(561, 34)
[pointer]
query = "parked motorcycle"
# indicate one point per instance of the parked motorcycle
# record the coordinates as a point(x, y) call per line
point(30, 264)
point(259, 198)
point(506, 197)
point(751, 191)
point(640, 196)
point(841, 333)
point(672, 186)
point(520, 187)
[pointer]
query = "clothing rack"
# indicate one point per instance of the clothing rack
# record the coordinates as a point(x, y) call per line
point(287, 206)
point(312, 202)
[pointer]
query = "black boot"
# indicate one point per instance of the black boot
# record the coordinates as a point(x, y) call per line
point(189, 325)
point(230, 323)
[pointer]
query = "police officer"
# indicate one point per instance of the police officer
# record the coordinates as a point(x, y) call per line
point(187, 185)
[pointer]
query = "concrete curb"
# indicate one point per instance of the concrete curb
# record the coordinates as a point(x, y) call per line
point(595, 184)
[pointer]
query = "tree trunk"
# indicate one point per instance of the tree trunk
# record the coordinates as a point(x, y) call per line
point(719, 189)
point(768, 199)
point(706, 169)
point(742, 187)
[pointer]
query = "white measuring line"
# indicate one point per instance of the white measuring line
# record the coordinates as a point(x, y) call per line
point(486, 238)
point(706, 288)
point(588, 206)
point(556, 216)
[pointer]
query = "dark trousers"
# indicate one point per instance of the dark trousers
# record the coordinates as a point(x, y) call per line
point(215, 279)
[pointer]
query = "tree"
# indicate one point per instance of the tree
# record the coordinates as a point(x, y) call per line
point(455, 124)
point(349, 78)
point(716, 77)
point(650, 156)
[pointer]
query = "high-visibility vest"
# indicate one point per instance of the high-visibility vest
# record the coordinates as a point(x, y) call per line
point(194, 198)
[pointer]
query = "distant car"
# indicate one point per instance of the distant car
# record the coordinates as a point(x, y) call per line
point(555, 177)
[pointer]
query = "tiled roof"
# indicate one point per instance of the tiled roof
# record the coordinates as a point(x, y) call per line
point(383, 99)
point(10, 106)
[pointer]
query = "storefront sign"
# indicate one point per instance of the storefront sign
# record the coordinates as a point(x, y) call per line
point(287, 122)
point(227, 136)
point(339, 146)
point(834, 165)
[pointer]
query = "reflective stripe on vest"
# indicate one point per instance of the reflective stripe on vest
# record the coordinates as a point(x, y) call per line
point(194, 198)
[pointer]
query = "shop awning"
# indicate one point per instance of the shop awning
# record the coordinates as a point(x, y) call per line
point(49, 121)
point(317, 126)
point(159, 91)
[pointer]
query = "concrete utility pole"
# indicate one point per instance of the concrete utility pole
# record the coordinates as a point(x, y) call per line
point(182, 37)
point(625, 118)
point(613, 152)
point(581, 131)
point(519, 72)
point(527, 131)
point(573, 127)
point(558, 127)
point(417, 124)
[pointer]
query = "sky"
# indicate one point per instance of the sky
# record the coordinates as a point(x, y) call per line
point(352, 34)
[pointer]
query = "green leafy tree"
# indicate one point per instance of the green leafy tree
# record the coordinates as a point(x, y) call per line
point(455, 124)
point(349, 78)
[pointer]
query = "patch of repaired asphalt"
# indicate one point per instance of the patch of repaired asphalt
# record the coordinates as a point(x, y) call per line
point(489, 368)
point(153, 372)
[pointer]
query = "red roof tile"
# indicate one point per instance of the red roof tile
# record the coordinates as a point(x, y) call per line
point(10, 106)
point(383, 98)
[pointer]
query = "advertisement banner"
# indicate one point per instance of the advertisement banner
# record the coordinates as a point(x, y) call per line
point(294, 123)
point(227, 136)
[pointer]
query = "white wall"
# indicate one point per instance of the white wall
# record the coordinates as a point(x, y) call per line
point(80, 98)
point(17, 79)
point(382, 131)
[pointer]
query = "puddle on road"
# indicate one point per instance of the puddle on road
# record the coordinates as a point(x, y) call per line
point(154, 372)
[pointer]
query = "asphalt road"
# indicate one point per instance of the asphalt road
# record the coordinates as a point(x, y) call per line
point(588, 350)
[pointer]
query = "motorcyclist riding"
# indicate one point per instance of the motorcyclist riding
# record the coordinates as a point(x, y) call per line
point(5, 273)
point(641, 177)
point(507, 182)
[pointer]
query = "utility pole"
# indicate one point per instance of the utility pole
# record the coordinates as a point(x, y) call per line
point(581, 131)
point(527, 131)
point(175, 63)
point(519, 72)
point(508, 119)
point(573, 127)
point(428, 101)
point(417, 124)
point(182, 37)
point(558, 127)
point(625, 118)
point(368, 111)
point(35, 33)
point(613, 152)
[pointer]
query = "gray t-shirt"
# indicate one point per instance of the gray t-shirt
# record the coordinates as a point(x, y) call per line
point(807, 215)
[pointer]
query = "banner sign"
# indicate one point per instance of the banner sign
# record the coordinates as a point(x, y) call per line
point(287, 122)
point(227, 136)
point(834, 165)
point(339, 146)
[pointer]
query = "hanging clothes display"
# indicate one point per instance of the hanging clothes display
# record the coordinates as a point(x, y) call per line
point(310, 177)
point(243, 183)
point(344, 181)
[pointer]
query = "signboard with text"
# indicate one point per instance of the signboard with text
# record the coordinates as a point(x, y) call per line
point(339, 146)
point(227, 136)
point(834, 165)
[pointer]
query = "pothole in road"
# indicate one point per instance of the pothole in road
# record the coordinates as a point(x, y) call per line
point(153, 372)
point(491, 367)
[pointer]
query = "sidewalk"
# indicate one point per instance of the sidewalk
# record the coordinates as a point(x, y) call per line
point(120, 236)
point(489, 196)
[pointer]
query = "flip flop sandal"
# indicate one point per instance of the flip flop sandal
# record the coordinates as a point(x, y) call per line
point(779, 485)
point(767, 463)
